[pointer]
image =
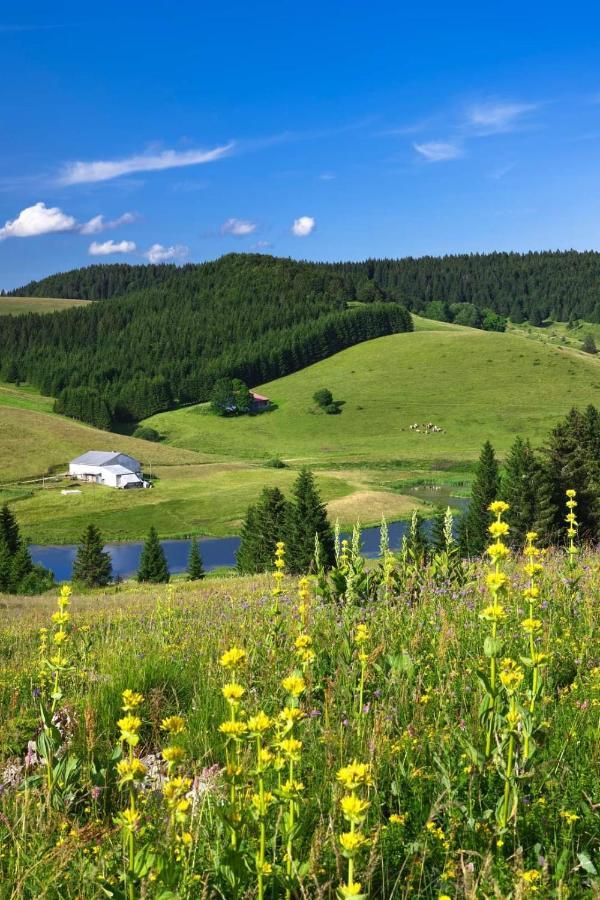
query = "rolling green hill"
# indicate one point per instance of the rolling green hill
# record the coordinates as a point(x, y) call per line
point(473, 384)
point(15, 306)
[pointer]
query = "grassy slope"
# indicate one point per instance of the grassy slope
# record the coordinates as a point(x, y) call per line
point(474, 384)
point(559, 334)
point(14, 306)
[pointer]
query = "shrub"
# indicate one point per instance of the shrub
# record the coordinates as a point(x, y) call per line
point(323, 398)
point(145, 433)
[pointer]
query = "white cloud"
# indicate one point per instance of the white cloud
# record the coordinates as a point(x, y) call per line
point(98, 223)
point(238, 227)
point(439, 151)
point(303, 226)
point(327, 176)
point(497, 117)
point(38, 219)
point(109, 247)
point(103, 170)
point(261, 245)
point(157, 253)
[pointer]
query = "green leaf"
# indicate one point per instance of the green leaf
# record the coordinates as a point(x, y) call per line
point(586, 863)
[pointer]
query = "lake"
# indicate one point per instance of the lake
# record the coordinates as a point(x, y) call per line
point(216, 552)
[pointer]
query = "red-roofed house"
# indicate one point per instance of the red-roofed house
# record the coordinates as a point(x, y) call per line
point(259, 402)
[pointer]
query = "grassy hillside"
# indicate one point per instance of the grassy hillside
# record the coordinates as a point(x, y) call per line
point(473, 384)
point(14, 306)
point(35, 443)
point(209, 499)
point(559, 334)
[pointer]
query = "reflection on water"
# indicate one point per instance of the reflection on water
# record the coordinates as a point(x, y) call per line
point(216, 552)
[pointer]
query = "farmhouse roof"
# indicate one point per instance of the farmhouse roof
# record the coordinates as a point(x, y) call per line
point(118, 470)
point(258, 396)
point(96, 457)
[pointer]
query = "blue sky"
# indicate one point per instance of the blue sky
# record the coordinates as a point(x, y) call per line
point(316, 130)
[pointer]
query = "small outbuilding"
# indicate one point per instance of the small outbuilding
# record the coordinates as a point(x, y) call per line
point(259, 402)
point(108, 467)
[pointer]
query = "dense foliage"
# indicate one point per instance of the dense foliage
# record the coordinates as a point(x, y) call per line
point(248, 317)
point(18, 573)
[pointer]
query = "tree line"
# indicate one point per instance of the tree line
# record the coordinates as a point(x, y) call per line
point(246, 317)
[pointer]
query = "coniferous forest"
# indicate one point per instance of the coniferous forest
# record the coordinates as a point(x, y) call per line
point(164, 335)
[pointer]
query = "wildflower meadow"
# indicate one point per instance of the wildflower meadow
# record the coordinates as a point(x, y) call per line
point(411, 727)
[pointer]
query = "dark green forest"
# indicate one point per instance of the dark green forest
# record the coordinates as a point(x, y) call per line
point(243, 316)
point(164, 335)
point(557, 285)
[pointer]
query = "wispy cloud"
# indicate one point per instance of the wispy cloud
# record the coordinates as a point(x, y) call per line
point(439, 151)
point(497, 117)
point(327, 176)
point(99, 223)
point(158, 253)
point(109, 247)
point(261, 245)
point(501, 171)
point(38, 219)
point(104, 170)
point(238, 227)
point(303, 226)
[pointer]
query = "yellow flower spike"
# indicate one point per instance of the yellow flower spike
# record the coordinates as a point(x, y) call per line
point(259, 723)
point(511, 675)
point(530, 626)
point(294, 685)
point(493, 613)
point(498, 529)
point(354, 809)
point(233, 729)
point(353, 841)
point(362, 634)
point(354, 775)
point(130, 770)
point(498, 507)
point(173, 754)
point(173, 725)
point(131, 700)
point(350, 891)
point(233, 692)
point(496, 580)
point(130, 725)
point(498, 551)
point(571, 493)
point(233, 658)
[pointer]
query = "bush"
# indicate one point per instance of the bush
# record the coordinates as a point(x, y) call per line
point(275, 463)
point(145, 433)
point(333, 409)
point(589, 344)
point(323, 398)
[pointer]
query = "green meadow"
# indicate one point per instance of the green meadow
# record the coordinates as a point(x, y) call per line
point(16, 306)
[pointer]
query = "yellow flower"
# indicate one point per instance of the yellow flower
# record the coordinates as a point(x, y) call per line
point(353, 808)
point(131, 700)
point(498, 529)
point(233, 692)
point(531, 625)
point(294, 685)
point(532, 569)
point(498, 507)
point(130, 725)
point(173, 754)
point(496, 580)
point(291, 789)
point(355, 775)
point(303, 641)
point(350, 891)
point(569, 817)
point(173, 725)
point(131, 770)
point(259, 723)
point(531, 876)
point(352, 841)
point(233, 658)
point(571, 493)
point(397, 819)
point(531, 593)
point(498, 550)
point(291, 714)
point(60, 637)
point(531, 536)
point(493, 613)
point(362, 634)
point(291, 748)
point(60, 617)
point(266, 868)
point(511, 675)
point(232, 729)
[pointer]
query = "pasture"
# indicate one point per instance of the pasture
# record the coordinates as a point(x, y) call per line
point(17, 306)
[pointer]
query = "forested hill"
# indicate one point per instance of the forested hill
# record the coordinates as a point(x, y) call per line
point(535, 286)
point(246, 316)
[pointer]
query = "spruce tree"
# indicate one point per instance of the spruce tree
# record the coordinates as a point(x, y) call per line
point(265, 524)
point(195, 568)
point(21, 567)
point(5, 567)
point(153, 562)
point(519, 490)
point(476, 520)
point(307, 518)
point(92, 566)
point(9, 530)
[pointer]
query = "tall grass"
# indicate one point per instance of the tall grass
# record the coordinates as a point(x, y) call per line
point(363, 758)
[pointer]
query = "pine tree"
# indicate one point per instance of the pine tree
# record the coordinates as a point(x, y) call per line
point(307, 518)
point(265, 524)
point(92, 566)
point(486, 488)
point(9, 530)
point(153, 562)
point(195, 568)
point(5, 566)
point(21, 567)
point(438, 537)
point(519, 490)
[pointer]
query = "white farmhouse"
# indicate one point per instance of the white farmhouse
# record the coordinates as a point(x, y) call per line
point(108, 467)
